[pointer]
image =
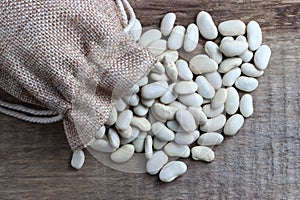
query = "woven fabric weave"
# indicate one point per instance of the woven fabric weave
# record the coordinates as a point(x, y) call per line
point(70, 56)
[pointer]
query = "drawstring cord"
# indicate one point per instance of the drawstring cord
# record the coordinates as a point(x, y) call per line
point(123, 6)
point(44, 116)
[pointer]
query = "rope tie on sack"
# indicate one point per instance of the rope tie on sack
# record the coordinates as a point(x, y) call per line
point(48, 116)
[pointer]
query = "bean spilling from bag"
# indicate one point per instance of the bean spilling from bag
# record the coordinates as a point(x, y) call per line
point(184, 102)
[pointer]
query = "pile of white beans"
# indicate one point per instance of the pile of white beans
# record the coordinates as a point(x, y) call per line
point(185, 107)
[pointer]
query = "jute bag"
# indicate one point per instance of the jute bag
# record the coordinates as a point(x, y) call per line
point(73, 57)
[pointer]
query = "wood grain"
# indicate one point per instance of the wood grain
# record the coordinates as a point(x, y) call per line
point(261, 162)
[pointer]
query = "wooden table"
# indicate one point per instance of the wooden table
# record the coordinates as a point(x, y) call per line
point(261, 162)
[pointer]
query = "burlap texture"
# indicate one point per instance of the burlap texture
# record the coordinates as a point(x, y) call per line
point(70, 56)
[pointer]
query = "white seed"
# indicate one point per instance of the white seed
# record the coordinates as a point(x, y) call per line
point(159, 77)
point(157, 47)
point(139, 142)
point(171, 71)
point(173, 125)
point(198, 114)
point(171, 54)
point(229, 63)
point(77, 159)
point(212, 50)
point(154, 90)
point(123, 154)
point(162, 132)
point(210, 139)
point(127, 133)
point(246, 105)
point(158, 144)
point(184, 71)
point(141, 123)
point(173, 149)
point(233, 48)
point(215, 79)
point(254, 35)
point(176, 38)
point(203, 153)
point(132, 100)
point(232, 28)
point(206, 26)
point(191, 38)
point(167, 23)
point(120, 105)
point(205, 89)
point(230, 77)
point(172, 170)
point(191, 99)
point(164, 112)
point(134, 135)
point(102, 145)
point(186, 138)
point(157, 161)
point(186, 87)
point(250, 70)
point(170, 95)
point(185, 120)
point(124, 119)
point(147, 102)
point(100, 134)
point(112, 117)
point(201, 65)
point(149, 36)
point(158, 68)
point(232, 101)
point(214, 124)
point(246, 84)
point(136, 30)
point(233, 124)
point(143, 81)
point(219, 98)
point(140, 110)
point(262, 57)
point(148, 147)
point(113, 138)
point(246, 56)
point(209, 112)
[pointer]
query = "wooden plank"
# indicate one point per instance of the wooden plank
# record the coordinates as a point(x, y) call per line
point(261, 162)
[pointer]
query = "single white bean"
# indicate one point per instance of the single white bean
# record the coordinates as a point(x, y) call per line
point(205, 89)
point(246, 105)
point(148, 147)
point(172, 170)
point(191, 38)
point(123, 154)
point(78, 158)
point(206, 26)
point(156, 162)
point(210, 139)
point(203, 153)
point(262, 57)
point(233, 124)
point(176, 38)
point(232, 28)
point(232, 101)
point(167, 23)
point(254, 35)
point(177, 150)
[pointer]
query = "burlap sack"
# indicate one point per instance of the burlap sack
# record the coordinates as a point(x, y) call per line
point(70, 56)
